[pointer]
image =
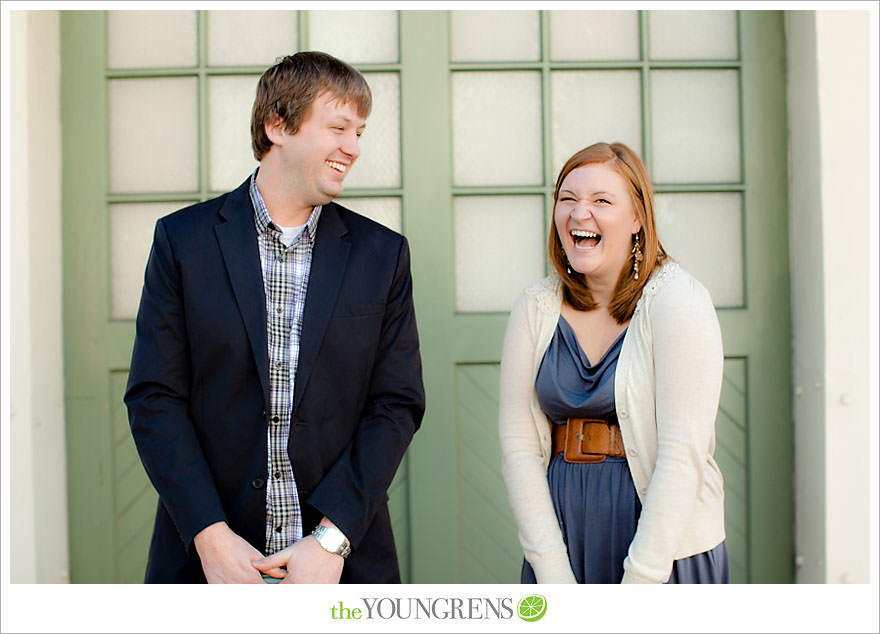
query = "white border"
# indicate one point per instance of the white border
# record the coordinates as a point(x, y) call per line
point(111, 608)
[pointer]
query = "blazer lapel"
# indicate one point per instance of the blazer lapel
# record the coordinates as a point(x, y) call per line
point(238, 244)
point(329, 259)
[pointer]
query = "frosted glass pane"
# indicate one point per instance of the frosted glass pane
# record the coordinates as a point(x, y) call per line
point(481, 36)
point(499, 250)
point(594, 35)
point(379, 163)
point(693, 34)
point(230, 101)
point(151, 39)
point(153, 134)
point(250, 37)
point(580, 119)
point(385, 211)
point(131, 234)
point(703, 232)
point(696, 126)
point(496, 128)
point(357, 37)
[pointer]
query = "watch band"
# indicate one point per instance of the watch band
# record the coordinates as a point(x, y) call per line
point(332, 540)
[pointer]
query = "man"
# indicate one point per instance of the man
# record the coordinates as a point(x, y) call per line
point(275, 380)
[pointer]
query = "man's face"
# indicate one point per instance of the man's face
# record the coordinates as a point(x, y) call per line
point(317, 158)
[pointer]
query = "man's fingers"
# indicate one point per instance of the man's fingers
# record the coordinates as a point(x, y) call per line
point(277, 573)
point(272, 562)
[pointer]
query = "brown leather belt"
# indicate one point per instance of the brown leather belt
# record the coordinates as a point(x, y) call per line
point(587, 440)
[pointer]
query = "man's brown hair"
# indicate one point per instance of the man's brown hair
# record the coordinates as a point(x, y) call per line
point(289, 88)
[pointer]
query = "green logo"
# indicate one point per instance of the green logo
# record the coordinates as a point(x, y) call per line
point(532, 608)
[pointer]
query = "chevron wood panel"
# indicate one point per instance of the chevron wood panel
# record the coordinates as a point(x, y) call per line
point(134, 498)
point(731, 454)
point(490, 549)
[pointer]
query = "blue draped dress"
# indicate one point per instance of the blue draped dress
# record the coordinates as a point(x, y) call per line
point(596, 504)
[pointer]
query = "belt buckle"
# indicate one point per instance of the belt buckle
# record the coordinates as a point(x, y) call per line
point(574, 443)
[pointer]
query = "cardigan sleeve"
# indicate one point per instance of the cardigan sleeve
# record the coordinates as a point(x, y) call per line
point(688, 366)
point(524, 466)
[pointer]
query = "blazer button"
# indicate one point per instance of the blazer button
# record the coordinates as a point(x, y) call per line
point(263, 414)
point(633, 452)
point(623, 413)
point(257, 483)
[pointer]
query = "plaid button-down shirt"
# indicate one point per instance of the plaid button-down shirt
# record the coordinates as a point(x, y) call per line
point(285, 280)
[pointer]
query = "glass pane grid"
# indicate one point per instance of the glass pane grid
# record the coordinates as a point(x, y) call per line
point(203, 61)
point(642, 63)
point(625, 59)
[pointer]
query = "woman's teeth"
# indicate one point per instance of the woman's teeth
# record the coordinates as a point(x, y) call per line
point(585, 239)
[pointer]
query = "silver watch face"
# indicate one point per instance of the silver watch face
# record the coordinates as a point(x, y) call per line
point(331, 540)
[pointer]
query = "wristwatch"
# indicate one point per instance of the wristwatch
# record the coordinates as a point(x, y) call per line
point(332, 540)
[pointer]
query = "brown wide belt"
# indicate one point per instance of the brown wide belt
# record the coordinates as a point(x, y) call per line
point(587, 440)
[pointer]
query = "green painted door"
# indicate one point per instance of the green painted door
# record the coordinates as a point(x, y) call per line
point(489, 119)
point(465, 142)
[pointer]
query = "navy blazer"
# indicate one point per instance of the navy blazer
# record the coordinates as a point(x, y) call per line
point(198, 388)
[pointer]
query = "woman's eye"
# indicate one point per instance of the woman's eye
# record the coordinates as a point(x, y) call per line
point(566, 199)
point(602, 200)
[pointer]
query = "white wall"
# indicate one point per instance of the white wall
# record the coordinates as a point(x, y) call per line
point(843, 71)
point(829, 181)
point(39, 550)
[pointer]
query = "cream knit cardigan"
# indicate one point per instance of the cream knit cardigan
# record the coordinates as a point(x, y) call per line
point(666, 391)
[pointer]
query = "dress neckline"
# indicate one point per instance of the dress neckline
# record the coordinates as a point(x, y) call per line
point(585, 358)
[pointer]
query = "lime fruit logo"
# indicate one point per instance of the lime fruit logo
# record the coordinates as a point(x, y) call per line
point(532, 607)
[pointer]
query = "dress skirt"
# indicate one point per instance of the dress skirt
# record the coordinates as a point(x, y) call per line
point(598, 511)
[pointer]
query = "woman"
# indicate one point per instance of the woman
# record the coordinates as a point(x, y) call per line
point(610, 379)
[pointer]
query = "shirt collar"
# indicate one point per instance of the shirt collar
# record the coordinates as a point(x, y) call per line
point(263, 220)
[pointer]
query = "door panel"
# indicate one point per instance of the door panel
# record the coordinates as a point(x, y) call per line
point(146, 132)
point(693, 108)
point(488, 555)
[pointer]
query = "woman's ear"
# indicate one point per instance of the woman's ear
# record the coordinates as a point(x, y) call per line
point(637, 225)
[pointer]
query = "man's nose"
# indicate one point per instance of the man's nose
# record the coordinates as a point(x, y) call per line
point(352, 146)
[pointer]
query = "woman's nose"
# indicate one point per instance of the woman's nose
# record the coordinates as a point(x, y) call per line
point(581, 211)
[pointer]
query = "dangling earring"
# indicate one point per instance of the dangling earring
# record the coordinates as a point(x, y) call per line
point(637, 255)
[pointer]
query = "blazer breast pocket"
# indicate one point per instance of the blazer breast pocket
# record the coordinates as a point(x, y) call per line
point(350, 311)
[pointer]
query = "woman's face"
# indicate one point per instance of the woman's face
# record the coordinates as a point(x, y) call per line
point(595, 220)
